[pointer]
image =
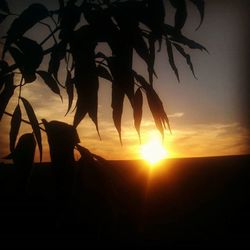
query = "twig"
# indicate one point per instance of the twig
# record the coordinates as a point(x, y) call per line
point(25, 121)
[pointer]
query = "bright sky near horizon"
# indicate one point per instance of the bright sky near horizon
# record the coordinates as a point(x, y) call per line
point(208, 116)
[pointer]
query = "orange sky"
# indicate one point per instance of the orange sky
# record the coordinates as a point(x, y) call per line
point(208, 116)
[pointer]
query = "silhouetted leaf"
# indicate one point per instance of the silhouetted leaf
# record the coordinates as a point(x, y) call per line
point(176, 36)
point(200, 4)
point(140, 46)
point(190, 43)
point(139, 78)
point(7, 93)
point(157, 110)
point(83, 43)
point(57, 54)
point(50, 81)
point(180, 14)
point(121, 69)
point(117, 106)
point(70, 90)
point(28, 18)
point(187, 56)
point(151, 59)
point(171, 58)
point(2, 17)
point(70, 16)
point(23, 154)
point(15, 125)
point(4, 6)
point(138, 101)
point(156, 13)
point(62, 139)
point(104, 73)
point(34, 124)
point(21, 61)
point(28, 56)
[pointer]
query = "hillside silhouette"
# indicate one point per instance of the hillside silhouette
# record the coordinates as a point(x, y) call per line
point(193, 202)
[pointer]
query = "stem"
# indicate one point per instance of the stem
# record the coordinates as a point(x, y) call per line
point(25, 121)
point(20, 89)
point(50, 35)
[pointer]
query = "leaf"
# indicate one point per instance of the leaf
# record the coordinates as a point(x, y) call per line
point(200, 4)
point(28, 18)
point(69, 18)
point(34, 124)
point(141, 80)
point(117, 106)
point(50, 81)
point(140, 46)
point(121, 69)
point(4, 6)
point(7, 93)
point(20, 60)
point(156, 13)
point(151, 59)
point(187, 56)
point(14, 128)
point(23, 154)
point(86, 80)
point(70, 90)
point(104, 73)
point(157, 110)
point(2, 17)
point(138, 101)
point(180, 14)
point(171, 58)
point(28, 57)
point(57, 54)
point(176, 36)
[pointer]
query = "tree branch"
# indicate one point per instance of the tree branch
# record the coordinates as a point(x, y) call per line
point(25, 121)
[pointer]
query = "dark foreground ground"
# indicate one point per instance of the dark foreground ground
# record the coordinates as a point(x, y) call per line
point(199, 202)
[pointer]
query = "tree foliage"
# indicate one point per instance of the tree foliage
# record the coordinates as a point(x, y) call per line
point(75, 28)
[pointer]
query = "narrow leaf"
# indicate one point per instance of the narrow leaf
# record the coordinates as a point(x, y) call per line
point(138, 101)
point(187, 56)
point(20, 60)
point(117, 106)
point(176, 36)
point(28, 18)
point(157, 110)
point(6, 93)
point(70, 91)
point(104, 73)
point(57, 54)
point(151, 59)
point(4, 6)
point(171, 58)
point(34, 124)
point(200, 4)
point(50, 81)
point(14, 128)
point(180, 14)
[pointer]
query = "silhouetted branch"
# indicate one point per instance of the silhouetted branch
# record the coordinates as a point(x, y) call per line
point(23, 120)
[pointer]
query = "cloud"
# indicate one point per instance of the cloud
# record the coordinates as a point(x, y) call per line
point(176, 115)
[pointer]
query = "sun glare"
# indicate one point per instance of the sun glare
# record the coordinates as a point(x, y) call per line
point(153, 151)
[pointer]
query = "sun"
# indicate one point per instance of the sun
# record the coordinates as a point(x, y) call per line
point(153, 151)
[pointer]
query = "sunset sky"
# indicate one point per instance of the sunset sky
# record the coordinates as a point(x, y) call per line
point(208, 116)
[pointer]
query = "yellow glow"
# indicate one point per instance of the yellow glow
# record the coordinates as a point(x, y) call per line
point(153, 151)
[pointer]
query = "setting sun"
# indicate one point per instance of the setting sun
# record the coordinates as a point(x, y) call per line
point(153, 151)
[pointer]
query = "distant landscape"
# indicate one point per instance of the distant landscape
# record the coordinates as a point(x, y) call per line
point(197, 202)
